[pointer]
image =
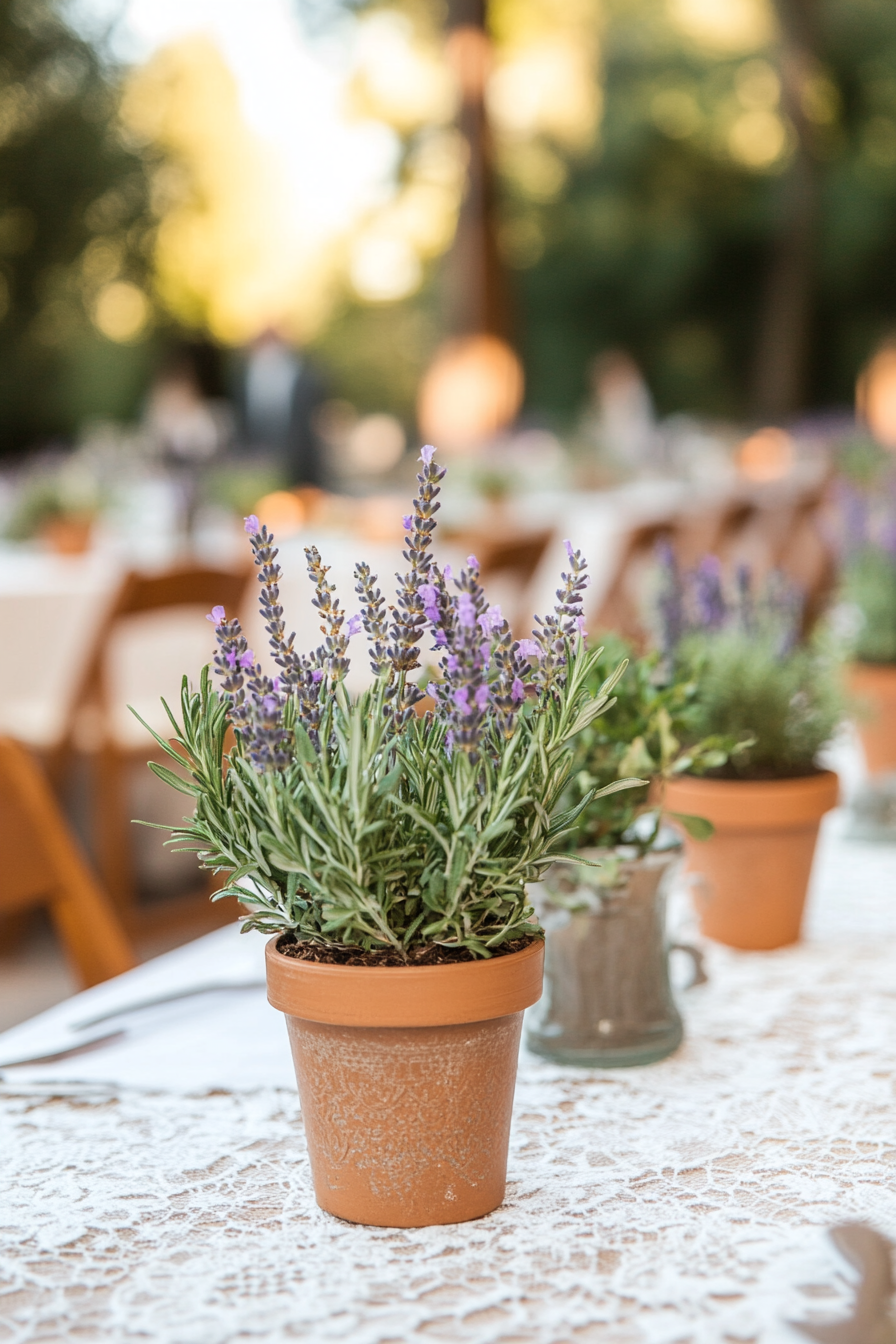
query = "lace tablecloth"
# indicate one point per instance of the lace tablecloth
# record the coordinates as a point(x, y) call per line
point(686, 1201)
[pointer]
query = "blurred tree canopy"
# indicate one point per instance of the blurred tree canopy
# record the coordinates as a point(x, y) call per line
point(709, 184)
point(734, 225)
point(75, 233)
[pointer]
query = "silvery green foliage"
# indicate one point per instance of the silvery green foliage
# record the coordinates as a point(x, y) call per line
point(357, 822)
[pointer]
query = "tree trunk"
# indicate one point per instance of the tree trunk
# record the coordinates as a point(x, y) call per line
point(784, 329)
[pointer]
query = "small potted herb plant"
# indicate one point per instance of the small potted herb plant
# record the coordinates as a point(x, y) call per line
point(865, 513)
point(608, 1001)
point(388, 853)
point(754, 677)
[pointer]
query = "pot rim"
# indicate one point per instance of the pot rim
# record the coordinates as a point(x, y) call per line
point(405, 996)
point(755, 804)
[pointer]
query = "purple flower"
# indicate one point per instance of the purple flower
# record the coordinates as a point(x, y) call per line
point(251, 524)
point(277, 684)
point(407, 522)
point(527, 648)
point(569, 549)
point(354, 625)
point(461, 698)
point(466, 611)
point(247, 662)
point(485, 651)
point(452, 663)
point(472, 562)
point(429, 594)
point(580, 625)
point(230, 657)
point(317, 676)
point(491, 619)
point(440, 637)
point(708, 595)
point(433, 689)
point(427, 453)
point(517, 690)
point(270, 703)
point(481, 697)
point(447, 573)
point(216, 615)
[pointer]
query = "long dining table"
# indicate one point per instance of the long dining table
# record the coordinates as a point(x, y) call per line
point(154, 1183)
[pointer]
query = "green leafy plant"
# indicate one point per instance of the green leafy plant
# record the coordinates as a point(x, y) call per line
point(790, 703)
point(756, 683)
point(869, 585)
point(863, 496)
point(655, 712)
point(355, 822)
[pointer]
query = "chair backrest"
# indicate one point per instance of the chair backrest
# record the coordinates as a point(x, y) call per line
point(42, 865)
point(188, 586)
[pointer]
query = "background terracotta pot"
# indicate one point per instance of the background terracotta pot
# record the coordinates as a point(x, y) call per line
point(406, 1078)
point(756, 867)
point(874, 687)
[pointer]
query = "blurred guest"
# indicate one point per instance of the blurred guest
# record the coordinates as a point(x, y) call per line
point(186, 424)
point(282, 393)
point(187, 420)
point(620, 420)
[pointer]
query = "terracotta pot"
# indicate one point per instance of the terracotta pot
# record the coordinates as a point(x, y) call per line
point(67, 535)
point(406, 1079)
point(756, 867)
point(874, 687)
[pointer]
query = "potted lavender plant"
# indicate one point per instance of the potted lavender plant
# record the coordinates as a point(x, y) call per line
point(754, 678)
point(608, 1000)
point(388, 854)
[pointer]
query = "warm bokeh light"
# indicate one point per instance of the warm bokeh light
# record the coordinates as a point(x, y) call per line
point(725, 26)
point(121, 311)
point(399, 75)
point(471, 391)
point(546, 78)
point(282, 511)
point(375, 444)
point(757, 139)
point(766, 455)
point(876, 395)
point(228, 252)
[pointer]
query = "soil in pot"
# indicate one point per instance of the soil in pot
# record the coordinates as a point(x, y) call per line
point(752, 875)
point(406, 1078)
point(874, 687)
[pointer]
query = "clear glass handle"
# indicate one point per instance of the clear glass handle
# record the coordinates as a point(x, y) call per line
point(698, 963)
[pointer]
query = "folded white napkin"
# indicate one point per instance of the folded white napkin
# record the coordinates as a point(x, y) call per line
point(144, 1036)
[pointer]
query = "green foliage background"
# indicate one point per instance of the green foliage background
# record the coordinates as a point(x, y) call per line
point(67, 180)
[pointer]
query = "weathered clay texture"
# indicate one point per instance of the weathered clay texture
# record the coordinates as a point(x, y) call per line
point(407, 1126)
point(406, 1077)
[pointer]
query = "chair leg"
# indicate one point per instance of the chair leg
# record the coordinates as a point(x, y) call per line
point(114, 855)
point(86, 922)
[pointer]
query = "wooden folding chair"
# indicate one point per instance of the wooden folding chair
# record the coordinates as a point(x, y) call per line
point(191, 586)
point(41, 864)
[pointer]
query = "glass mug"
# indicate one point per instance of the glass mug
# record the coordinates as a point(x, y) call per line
point(607, 998)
